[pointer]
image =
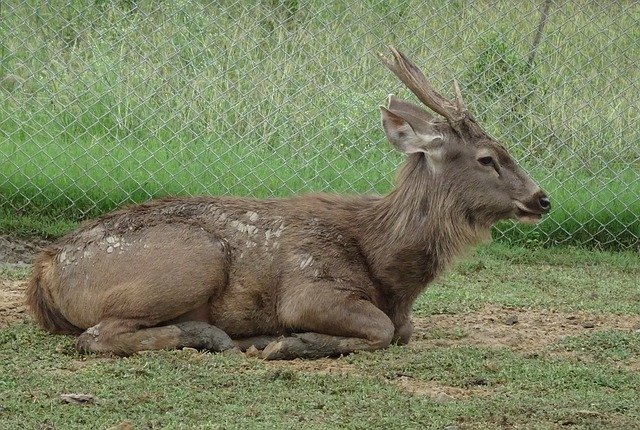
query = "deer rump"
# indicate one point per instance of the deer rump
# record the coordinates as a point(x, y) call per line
point(308, 276)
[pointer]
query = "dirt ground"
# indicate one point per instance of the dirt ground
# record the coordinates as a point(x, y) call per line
point(527, 331)
point(12, 308)
point(19, 252)
point(15, 254)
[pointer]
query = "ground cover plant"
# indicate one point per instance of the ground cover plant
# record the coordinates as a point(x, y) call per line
point(510, 338)
point(105, 103)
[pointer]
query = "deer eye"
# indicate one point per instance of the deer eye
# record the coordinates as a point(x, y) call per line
point(486, 161)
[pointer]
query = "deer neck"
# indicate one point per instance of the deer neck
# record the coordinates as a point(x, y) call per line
point(413, 233)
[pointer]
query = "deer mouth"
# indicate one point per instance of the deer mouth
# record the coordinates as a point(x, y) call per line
point(523, 214)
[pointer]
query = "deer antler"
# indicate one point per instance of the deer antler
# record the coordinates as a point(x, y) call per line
point(415, 80)
point(462, 108)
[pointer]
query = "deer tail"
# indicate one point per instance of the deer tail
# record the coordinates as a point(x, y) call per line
point(39, 300)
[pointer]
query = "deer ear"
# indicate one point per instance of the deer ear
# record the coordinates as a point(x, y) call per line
point(405, 138)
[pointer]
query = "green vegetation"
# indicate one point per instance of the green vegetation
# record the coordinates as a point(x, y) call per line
point(552, 278)
point(607, 347)
point(108, 102)
point(583, 381)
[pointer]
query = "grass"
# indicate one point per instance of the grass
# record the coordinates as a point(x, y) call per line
point(606, 347)
point(581, 382)
point(553, 278)
point(528, 392)
point(105, 103)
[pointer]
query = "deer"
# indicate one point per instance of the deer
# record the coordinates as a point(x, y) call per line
point(307, 276)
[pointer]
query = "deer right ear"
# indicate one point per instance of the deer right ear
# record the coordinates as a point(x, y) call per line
point(404, 138)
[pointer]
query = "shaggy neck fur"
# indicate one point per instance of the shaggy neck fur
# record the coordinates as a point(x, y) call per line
point(415, 232)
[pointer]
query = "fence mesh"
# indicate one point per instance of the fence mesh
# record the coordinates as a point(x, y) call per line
point(108, 102)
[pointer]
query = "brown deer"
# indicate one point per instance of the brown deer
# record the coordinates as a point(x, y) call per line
point(308, 276)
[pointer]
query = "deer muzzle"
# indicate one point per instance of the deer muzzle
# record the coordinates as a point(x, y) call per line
point(531, 211)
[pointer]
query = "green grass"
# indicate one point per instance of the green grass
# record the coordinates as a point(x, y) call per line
point(585, 381)
point(102, 104)
point(564, 278)
point(607, 347)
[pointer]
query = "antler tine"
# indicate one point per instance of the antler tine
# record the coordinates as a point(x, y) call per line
point(462, 108)
point(415, 80)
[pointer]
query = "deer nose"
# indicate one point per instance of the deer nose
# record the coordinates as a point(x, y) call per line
point(545, 203)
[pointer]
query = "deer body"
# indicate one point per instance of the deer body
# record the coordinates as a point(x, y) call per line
point(307, 276)
point(239, 251)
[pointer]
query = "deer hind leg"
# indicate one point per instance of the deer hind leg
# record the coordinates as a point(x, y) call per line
point(331, 323)
point(126, 337)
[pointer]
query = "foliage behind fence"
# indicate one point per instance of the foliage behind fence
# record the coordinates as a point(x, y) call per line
point(107, 102)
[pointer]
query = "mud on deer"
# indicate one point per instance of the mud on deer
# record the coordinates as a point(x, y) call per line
point(308, 276)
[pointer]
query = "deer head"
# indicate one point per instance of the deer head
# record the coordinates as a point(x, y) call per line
point(464, 162)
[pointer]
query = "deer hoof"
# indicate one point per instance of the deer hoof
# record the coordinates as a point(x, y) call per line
point(253, 352)
point(275, 351)
point(231, 352)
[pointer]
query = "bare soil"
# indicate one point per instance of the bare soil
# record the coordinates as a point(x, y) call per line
point(528, 331)
point(15, 253)
point(12, 308)
point(19, 252)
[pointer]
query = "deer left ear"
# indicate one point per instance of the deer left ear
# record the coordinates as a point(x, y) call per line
point(404, 137)
point(399, 132)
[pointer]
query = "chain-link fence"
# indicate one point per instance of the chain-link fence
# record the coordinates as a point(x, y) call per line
point(106, 102)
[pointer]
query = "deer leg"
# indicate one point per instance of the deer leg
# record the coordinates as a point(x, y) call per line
point(259, 342)
point(125, 337)
point(342, 324)
point(403, 333)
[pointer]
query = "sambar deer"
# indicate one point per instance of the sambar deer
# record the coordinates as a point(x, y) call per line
point(308, 276)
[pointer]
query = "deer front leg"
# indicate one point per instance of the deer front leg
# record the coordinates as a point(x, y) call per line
point(329, 322)
point(403, 333)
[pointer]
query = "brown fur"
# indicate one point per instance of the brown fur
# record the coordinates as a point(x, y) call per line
point(307, 276)
point(40, 303)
